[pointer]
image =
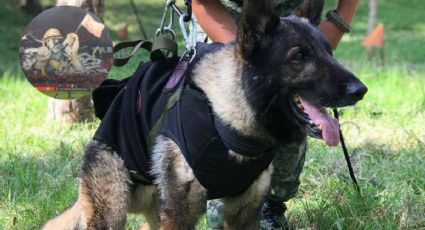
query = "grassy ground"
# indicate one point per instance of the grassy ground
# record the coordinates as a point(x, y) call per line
point(67, 94)
point(39, 161)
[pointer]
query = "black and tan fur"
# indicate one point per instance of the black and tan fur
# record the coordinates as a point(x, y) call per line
point(249, 84)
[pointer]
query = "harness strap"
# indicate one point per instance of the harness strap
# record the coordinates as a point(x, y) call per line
point(235, 141)
point(172, 101)
point(121, 58)
point(163, 47)
point(138, 179)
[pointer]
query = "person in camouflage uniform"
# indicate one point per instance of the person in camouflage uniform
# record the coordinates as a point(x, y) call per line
point(289, 162)
point(234, 7)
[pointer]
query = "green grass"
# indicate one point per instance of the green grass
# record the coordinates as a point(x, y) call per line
point(67, 94)
point(39, 161)
point(404, 32)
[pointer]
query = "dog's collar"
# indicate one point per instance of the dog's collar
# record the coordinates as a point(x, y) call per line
point(238, 143)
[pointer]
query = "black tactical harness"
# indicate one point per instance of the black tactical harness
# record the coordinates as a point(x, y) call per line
point(158, 100)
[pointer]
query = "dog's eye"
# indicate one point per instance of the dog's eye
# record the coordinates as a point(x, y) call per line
point(296, 55)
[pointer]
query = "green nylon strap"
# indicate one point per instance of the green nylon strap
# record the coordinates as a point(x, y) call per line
point(121, 58)
point(172, 101)
point(137, 178)
point(163, 48)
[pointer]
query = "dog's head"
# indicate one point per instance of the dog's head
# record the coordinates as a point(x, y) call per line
point(290, 76)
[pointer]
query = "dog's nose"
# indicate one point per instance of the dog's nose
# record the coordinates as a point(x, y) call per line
point(356, 90)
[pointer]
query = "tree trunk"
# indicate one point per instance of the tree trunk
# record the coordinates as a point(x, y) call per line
point(95, 6)
point(373, 13)
point(32, 7)
point(79, 110)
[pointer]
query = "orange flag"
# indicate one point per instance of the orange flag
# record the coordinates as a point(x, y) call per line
point(375, 38)
point(92, 25)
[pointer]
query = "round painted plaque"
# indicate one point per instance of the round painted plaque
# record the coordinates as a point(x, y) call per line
point(66, 52)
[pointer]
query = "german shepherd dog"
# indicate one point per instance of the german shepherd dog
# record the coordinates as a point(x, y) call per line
point(272, 84)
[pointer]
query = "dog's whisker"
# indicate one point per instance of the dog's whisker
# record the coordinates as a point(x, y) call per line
point(250, 91)
point(269, 106)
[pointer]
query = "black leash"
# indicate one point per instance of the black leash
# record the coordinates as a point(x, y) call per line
point(139, 20)
point(347, 156)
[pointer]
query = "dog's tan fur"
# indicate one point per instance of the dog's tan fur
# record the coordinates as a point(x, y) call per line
point(223, 88)
point(69, 220)
point(222, 85)
point(144, 200)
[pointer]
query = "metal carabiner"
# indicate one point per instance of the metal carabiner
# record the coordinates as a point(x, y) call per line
point(189, 38)
point(190, 55)
point(164, 17)
point(171, 20)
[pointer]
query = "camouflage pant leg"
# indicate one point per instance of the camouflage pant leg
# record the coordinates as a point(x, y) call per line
point(288, 165)
point(215, 214)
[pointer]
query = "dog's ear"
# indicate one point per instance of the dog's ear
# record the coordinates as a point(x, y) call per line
point(310, 9)
point(259, 20)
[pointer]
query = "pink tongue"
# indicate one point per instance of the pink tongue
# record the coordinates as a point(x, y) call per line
point(319, 116)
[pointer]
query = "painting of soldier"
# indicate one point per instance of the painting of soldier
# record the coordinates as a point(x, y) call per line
point(63, 57)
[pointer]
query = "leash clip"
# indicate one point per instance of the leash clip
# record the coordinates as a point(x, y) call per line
point(189, 55)
point(163, 29)
point(189, 38)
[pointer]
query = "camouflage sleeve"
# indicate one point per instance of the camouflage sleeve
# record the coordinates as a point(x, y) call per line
point(285, 7)
point(234, 7)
